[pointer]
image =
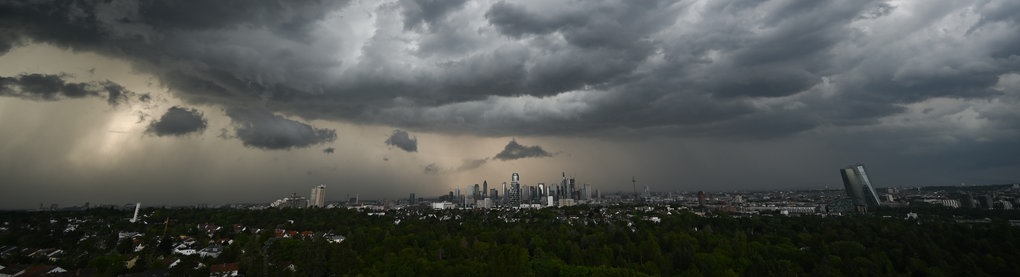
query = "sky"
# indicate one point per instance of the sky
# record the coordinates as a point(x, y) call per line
point(188, 102)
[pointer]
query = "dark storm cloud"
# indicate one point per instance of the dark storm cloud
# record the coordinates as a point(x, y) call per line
point(514, 150)
point(178, 121)
point(513, 20)
point(262, 129)
point(329, 150)
point(419, 12)
point(735, 69)
point(401, 139)
point(51, 87)
point(7, 41)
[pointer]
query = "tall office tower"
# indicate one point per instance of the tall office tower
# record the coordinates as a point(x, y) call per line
point(525, 194)
point(533, 194)
point(514, 194)
point(411, 199)
point(541, 190)
point(475, 193)
point(318, 197)
point(563, 185)
point(701, 198)
point(858, 186)
point(515, 198)
point(485, 189)
point(573, 188)
point(505, 193)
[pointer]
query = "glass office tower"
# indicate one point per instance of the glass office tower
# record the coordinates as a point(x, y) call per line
point(858, 186)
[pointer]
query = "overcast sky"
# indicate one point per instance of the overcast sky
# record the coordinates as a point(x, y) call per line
point(184, 102)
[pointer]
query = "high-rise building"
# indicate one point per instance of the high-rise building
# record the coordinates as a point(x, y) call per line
point(573, 188)
point(701, 198)
point(485, 189)
point(858, 186)
point(318, 197)
point(505, 192)
point(562, 189)
point(531, 195)
point(514, 193)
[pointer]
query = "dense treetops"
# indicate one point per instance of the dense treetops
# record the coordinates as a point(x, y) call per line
point(577, 241)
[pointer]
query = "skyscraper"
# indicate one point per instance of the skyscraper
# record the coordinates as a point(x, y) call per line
point(515, 190)
point(562, 189)
point(858, 186)
point(318, 197)
point(574, 194)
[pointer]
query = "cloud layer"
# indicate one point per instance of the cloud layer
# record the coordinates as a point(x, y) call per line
point(178, 121)
point(514, 151)
point(50, 87)
point(923, 92)
point(262, 129)
point(680, 68)
point(401, 139)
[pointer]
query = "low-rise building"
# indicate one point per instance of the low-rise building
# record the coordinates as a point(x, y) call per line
point(212, 251)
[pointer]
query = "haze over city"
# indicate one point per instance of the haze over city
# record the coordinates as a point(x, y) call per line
point(186, 102)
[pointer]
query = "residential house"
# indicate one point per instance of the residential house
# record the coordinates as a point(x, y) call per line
point(211, 251)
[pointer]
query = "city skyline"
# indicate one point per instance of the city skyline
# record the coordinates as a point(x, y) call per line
point(220, 102)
